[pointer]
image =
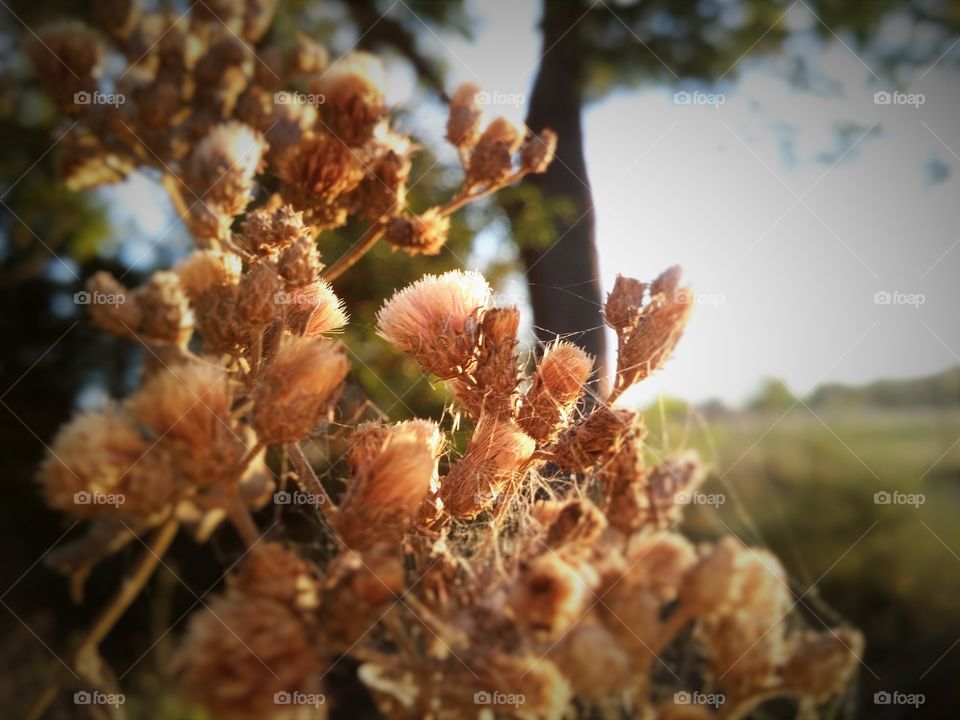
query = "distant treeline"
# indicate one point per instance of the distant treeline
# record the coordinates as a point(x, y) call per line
point(941, 390)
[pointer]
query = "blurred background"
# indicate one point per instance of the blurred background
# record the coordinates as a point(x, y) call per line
point(798, 159)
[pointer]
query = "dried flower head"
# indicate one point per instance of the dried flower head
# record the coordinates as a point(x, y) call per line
point(204, 270)
point(100, 464)
point(491, 161)
point(435, 320)
point(112, 308)
point(316, 173)
point(68, 57)
point(267, 231)
point(299, 262)
point(596, 438)
point(313, 309)
point(222, 167)
point(386, 494)
point(298, 388)
point(83, 162)
point(557, 385)
point(425, 234)
point(646, 334)
point(495, 457)
point(538, 151)
point(165, 309)
point(187, 407)
point(352, 89)
point(463, 125)
point(242, 651)
point(549, 596)
point(273, 572)
point(490, 389)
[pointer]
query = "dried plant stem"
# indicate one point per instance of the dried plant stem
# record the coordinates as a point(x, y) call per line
point(351, 256)
point(172, 185)
point(243, 523)
point(309, 480)
point(468, 197)
point(128, 591)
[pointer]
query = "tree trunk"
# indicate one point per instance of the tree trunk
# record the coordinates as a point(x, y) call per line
point(564, 277)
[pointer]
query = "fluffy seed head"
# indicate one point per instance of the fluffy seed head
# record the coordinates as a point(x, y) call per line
point(298, 388)
point(313, 309)
point(557, 385)
point(242, 651)
point(316, 173)
point(222, 167)
point(352, 90)
point(165, 309)
point(435, 320)
point(202, 270)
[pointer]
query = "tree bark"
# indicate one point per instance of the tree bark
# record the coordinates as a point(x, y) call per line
point(564, 277)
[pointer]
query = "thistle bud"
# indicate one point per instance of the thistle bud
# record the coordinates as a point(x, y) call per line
point(557, 385)
point(490, 388)
point(273, 572)
point(435, 320)
point(388, 491)
point(496, 455)
point(120, 312)
point(352, 90)
point(298, 388)
point(165, 309)
point(463, 125)
point(100, 464)
point(68, 58)
point(599, 436)
point(316, 173)
point(267, 231)
point(241, 652)
point(222, 167)
point(646, 333)
point(256, 304)
point(491, 161)
point(300, 264)
point(425, 234)
point(538, 151)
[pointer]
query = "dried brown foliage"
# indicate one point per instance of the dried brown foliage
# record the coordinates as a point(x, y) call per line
point(541, 564)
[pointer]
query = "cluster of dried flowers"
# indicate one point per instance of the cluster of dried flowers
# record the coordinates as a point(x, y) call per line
point(541, 563)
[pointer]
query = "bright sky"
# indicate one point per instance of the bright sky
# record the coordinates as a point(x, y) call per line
point(786, 226)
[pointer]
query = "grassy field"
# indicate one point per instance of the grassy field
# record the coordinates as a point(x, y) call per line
point(803, 483)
